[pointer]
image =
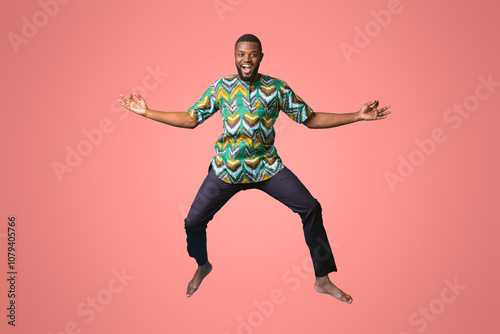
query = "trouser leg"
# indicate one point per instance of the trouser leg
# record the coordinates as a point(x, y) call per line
point(287, 188)
point(211, 196)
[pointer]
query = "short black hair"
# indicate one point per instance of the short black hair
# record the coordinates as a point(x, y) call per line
point(249, 38)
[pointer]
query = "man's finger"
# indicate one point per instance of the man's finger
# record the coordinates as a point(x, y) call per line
point(138, 96)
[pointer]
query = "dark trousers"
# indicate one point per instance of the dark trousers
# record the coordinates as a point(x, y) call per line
point(286, 188)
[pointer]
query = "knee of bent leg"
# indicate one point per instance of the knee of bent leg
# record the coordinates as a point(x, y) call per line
point(312, 208)
point(190, 223)
point(194, 221)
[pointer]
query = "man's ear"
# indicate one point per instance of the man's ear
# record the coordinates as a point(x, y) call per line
point(261, 55)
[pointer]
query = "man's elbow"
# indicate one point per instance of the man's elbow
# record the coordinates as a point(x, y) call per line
point(310, 125)
point(189, 122)
point(309, 122)
point(192, 124)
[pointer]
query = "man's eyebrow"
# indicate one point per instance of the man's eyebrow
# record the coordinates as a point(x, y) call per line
point(248, 51)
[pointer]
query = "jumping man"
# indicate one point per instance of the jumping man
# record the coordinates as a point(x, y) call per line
point(246, 158)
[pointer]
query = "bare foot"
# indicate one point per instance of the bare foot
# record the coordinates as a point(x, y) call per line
point(324, 285)
point(199, 275)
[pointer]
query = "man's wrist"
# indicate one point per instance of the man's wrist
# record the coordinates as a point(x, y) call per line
point(357, 116)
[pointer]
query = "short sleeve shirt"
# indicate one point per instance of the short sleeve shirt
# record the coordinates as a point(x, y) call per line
point(245, 151)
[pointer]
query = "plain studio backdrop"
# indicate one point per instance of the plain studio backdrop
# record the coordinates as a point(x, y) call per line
point(99, 194)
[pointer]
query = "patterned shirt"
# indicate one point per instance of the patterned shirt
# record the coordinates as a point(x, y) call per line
point(245, 152)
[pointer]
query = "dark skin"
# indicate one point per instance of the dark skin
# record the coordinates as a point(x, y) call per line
point(247, 57)
point(248, 54)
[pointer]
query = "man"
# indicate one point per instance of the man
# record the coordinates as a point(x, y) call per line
point(246, 158)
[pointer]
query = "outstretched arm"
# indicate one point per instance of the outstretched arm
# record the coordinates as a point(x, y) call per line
point(180, 119)
point(368, 112)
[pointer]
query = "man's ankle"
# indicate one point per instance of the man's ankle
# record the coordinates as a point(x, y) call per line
point(322, 280)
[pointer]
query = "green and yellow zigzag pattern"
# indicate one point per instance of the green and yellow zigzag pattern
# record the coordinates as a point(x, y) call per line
point(245, 152)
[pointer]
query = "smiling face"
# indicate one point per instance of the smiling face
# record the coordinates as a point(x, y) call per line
point(247, 57)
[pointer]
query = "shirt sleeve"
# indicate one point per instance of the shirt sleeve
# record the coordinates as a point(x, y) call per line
point(206, 105)
point(292, 105)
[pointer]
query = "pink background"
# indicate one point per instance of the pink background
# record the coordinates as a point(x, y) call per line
point(121, 207)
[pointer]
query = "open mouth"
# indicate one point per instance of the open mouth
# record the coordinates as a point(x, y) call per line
point(246, 69)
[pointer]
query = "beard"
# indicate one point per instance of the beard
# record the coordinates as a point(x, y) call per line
point(244, 77)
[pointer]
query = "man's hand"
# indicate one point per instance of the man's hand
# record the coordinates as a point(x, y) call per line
point(139, 107)
point(180, 119)
point(369, 111)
